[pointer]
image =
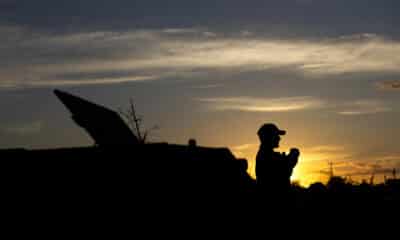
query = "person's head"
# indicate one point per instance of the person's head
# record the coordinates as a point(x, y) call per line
point(269, 135)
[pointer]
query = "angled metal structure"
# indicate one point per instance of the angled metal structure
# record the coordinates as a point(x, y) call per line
point(105, 126)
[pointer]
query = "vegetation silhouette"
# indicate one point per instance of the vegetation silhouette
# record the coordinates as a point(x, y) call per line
point(120, 169)
point(134, 122)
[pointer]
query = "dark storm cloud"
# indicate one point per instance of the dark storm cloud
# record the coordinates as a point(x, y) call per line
point(283, 16)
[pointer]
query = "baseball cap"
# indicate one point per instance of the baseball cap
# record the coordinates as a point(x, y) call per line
point(270, 129)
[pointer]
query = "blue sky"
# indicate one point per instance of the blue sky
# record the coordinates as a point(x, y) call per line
point(326, 71)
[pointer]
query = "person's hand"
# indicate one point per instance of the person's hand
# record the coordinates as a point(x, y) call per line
point(294, 153)
point(294, 156)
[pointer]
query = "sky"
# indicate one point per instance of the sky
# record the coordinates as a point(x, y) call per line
point(328, 72)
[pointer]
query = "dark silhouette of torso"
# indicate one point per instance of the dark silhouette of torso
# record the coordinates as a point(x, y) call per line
point(273, 170)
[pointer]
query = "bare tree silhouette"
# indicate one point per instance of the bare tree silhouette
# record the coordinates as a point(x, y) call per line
point(135, 122)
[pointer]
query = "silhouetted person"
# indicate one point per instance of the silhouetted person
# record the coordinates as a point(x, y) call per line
point(273, 169)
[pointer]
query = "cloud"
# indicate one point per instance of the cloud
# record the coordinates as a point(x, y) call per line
point(60, 83)
point(361, 107)
point(317, 16)
point(24, 129)
point(246, 33)
point(243, 147)
point(207, 86)
point(174, 51)
point(326, 148)
point(389, 85)
point(386, 158)
point(288, 104)
point(360, 169)
point(252, 104)
point(325, 153)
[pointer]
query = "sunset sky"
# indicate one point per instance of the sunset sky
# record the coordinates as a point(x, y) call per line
point(326, 71)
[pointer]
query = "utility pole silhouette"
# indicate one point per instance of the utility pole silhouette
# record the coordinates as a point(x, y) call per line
point(371, 179)
point(330, 169)
point(329, 172)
